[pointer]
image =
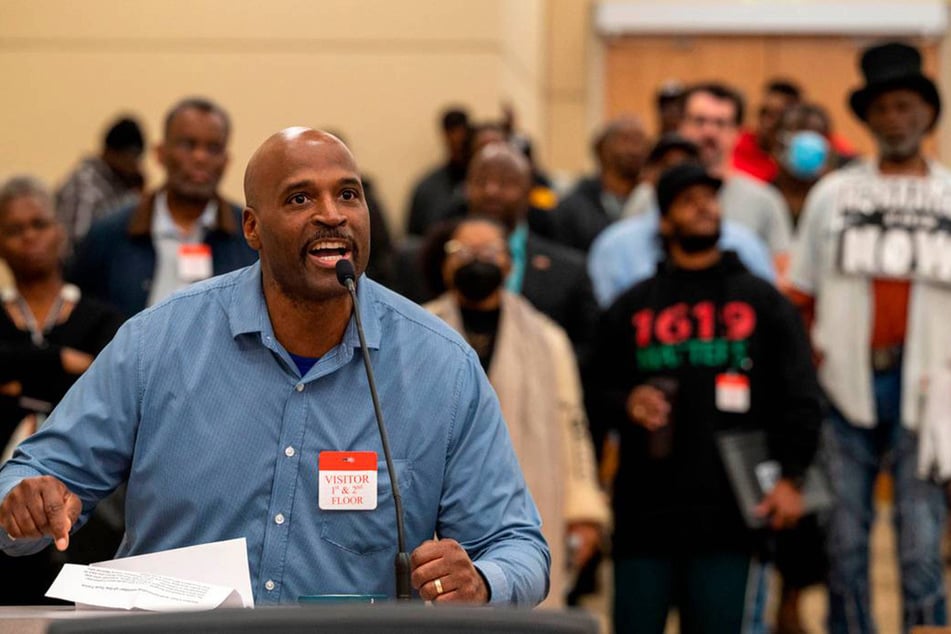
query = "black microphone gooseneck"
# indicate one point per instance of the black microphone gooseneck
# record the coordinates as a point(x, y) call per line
point(346, 276)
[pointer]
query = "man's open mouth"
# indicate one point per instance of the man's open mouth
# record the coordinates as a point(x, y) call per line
point(328, 251)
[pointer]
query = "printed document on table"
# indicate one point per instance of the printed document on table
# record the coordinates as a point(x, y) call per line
point(99, 587)
point(222, 565)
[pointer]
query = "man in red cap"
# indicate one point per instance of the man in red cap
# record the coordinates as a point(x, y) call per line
point(872, 271)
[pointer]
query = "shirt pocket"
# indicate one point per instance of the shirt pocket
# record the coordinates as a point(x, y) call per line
point(366, 532)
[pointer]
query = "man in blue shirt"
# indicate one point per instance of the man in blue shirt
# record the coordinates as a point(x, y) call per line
point(628, 251)
point(218, 404)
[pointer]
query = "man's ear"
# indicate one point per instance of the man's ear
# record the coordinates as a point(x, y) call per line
point(249, 223)
point(666, 227)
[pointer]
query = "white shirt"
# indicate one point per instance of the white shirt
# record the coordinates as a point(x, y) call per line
point(167, 238)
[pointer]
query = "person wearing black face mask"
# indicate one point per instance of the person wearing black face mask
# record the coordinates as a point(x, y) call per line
point(702, 347)
point(530, 363)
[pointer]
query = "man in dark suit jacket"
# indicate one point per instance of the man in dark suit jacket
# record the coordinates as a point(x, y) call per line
point(596, 201)
point(179, 234)
point(551, 276)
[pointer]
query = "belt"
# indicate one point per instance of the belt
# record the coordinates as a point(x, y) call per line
point(886, 359)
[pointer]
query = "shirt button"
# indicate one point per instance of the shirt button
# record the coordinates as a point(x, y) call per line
point(279, 518)
point(268, 585)
point(299, 387)
point(289, 452)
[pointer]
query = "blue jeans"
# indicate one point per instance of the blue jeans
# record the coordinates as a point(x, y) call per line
point(857, 456)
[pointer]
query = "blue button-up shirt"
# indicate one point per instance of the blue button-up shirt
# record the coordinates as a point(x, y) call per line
point(203, 412)
point(628, 251)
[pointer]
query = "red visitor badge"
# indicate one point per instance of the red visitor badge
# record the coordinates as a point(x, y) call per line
point(347, 480)
point(733, 393)
point(194, 262)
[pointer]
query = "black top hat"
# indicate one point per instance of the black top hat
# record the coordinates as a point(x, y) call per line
point(888, 67)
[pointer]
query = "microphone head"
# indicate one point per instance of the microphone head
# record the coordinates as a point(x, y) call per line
point(345, 271)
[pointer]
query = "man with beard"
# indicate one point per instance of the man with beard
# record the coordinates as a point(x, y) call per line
point(713, 114)
point(182, 233)
point(597, 201)
point(701, 348)
point(871, 267)
point(222, 405)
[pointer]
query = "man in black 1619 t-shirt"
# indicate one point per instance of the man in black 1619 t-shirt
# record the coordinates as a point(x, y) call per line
point(702, 347)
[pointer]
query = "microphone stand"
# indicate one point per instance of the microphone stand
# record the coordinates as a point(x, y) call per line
point(346, 276)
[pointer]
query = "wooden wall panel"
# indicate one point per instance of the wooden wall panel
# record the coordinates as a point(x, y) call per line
point(826, 67)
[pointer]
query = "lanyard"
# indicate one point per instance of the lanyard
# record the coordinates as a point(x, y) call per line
point(37, 334)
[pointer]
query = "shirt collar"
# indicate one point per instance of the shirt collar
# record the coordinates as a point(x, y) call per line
point(140, 222)
point(248, 312)
point(164, 226)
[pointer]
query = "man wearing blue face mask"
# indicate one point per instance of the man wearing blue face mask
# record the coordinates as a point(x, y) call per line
point(803, 152)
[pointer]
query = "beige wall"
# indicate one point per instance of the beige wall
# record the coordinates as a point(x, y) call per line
point(376, 70)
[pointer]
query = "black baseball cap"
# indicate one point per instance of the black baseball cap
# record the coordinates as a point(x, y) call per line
point(678, 178)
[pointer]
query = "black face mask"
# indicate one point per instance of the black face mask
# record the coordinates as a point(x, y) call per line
point(698, 244)
point(477, 280)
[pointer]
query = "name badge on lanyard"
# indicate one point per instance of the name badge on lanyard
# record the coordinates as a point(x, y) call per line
point(194, 262)
point(733, 393)
point(347, 480)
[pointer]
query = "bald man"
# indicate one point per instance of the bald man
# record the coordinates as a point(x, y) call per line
point(551, 276)
point(225, 406)
point(620, 148)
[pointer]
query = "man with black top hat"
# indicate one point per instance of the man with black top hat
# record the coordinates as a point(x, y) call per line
point(701, 348)
point(872, 271)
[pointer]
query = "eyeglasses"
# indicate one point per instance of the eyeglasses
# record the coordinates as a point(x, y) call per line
point(700, 121)
point(483, 252)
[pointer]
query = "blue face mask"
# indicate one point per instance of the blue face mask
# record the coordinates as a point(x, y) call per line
point(806, 154)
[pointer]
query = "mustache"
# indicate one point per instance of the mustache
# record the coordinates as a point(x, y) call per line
point(330, 234)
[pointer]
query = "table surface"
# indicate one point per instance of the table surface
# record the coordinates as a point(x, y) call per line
point(33, 619)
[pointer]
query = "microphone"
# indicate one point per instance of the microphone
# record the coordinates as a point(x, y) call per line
point(347, 276)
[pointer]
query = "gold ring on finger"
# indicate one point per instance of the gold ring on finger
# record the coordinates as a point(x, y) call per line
point(438, 584)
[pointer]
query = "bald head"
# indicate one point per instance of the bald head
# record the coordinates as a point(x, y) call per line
point(504, 155)
point(276, 150)
point(305, 210)
point(498, 184)
point(621, 147)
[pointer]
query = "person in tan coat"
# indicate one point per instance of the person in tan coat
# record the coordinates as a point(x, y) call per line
point(531, 365)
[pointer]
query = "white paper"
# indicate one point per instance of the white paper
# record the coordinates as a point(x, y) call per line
point(222, 563)
point(109, 588)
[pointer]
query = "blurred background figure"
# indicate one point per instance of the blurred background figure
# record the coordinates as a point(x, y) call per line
point(380, 266)
point(596, 201)
point(103, 184)
point(433, 194)
point(803, 153)
point(670, 106)
point(713, 112)
point(181, 233)
point(530, 363)
point(49, 334)
point(550, 276)
point(753, 153)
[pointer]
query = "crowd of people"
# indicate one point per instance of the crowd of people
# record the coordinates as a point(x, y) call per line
point(709, 282)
